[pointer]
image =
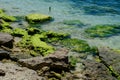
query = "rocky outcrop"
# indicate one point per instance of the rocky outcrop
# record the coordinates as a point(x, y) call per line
point(56, 61)
point(34, 18)
point(10, 71)
point(52, 66)
point(6, 40)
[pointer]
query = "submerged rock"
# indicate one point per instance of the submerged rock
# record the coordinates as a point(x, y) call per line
point(6, 40)
point(34, 18)
point(103, 31)
point(76, 23)
point(76, 45)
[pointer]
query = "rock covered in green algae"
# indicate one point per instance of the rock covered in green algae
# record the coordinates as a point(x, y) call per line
point(34, 18)
point(41, 46)
point(76, 45)
point(19, 32)
point(103, 30)
point(32, 31)
point(6, 17)
point(34, 43)
point(54, 36)
point(5, 26)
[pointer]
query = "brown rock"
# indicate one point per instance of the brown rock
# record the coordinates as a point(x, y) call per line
point(57, 61)
point(96, 71)
point(6, 40)
point(10, 71)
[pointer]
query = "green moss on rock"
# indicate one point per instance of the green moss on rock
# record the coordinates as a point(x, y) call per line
point(7, 17)
point(34, 43)
point(19, 32)
point(32, 31)
point(7, 30)
point(34, 18)
point(103, 30)
point(54, 36)
point(4, 25)
point(76, 45)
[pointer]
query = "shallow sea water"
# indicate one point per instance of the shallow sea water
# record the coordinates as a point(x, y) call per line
point(90, 12)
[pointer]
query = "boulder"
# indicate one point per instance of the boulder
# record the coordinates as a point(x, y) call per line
point(6, 40)
point(34, 18)
point(57, 61)
point(10, 71)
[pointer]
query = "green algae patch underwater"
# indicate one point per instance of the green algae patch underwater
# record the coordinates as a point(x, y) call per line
point(103, 31)
point(77, 23)
point(54, 36)
point(77, 45)
point(35, 18)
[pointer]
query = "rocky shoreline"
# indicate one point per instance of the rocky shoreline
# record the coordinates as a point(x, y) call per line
point(33, 54)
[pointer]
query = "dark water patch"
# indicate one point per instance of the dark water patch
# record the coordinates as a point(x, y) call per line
point(99, 10)
point(97, 7)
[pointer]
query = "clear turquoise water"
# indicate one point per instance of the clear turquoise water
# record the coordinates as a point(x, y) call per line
point(90, 12)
